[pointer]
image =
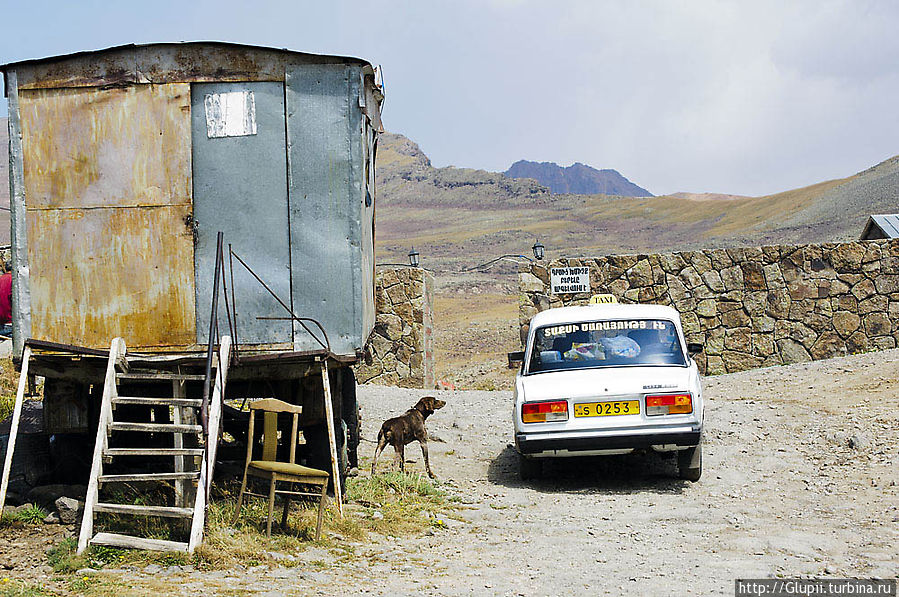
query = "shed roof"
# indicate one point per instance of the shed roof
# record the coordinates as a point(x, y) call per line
point(887, 224)
point(149, 63)
point(227, 44)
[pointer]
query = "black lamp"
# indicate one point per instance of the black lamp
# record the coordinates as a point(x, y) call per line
point(414, 258)
point(539, 249)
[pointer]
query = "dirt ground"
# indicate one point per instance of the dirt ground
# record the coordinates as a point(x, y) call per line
point(800, 479)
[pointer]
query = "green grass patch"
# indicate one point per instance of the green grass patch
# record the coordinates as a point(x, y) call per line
point(31, 515)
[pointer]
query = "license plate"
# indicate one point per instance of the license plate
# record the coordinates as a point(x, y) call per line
point(607, 409)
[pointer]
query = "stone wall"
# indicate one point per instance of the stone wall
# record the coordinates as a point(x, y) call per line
point(751, 307)
point(402, 344)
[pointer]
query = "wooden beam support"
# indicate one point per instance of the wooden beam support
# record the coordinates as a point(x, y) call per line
point(14, 425)
point(332, 439)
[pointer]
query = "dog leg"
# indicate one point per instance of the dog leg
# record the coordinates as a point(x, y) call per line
point(424, 453)
point(400, 456)
point(382, 443)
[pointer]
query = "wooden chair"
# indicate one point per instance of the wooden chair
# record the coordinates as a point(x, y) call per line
point(268, 467)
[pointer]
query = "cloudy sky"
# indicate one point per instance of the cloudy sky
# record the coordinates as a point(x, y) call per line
point(733, 97)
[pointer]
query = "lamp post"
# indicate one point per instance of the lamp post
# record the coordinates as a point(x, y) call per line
point(538, 249)
point(414, 258)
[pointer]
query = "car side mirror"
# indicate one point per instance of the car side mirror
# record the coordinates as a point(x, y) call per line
point(515, 358)
point(694, 347)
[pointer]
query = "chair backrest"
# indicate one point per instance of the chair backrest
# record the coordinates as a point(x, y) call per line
point(270, 409)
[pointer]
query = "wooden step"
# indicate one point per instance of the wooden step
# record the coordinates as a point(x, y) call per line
point(163, 511)
point(146, 401)
point(158, 376)
point(148, 477)
point(156, 427)
point(129, 542)
point(153, 452)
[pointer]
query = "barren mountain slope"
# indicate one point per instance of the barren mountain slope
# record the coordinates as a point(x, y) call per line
point(876, 190)
point(459, 217)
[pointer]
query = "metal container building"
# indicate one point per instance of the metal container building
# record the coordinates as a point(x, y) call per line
point(126, 167)
point(125, 163)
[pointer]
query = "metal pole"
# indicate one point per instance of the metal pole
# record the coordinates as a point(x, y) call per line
point(204, 408)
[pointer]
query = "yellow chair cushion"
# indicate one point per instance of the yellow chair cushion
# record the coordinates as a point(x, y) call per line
point(285, 468)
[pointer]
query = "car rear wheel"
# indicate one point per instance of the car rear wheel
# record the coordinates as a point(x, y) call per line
point(689, 463)
point(529, 468)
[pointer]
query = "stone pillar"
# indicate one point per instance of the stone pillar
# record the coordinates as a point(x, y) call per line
point(402, 343)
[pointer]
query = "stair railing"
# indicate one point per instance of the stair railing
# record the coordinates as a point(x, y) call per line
point(207, 467)
point(117, 352)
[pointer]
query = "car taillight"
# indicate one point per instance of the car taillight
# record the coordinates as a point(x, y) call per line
point(544, 412)
point(669, 404)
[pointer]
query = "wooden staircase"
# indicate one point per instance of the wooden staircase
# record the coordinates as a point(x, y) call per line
point(185, 463)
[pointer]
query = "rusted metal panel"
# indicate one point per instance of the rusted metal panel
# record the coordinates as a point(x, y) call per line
point(103, 273)
point(108, 177)
point(112, 147)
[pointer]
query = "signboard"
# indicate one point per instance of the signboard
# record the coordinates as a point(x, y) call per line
point(569, 280)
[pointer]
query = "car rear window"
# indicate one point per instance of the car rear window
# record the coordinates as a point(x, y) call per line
point(617, 343)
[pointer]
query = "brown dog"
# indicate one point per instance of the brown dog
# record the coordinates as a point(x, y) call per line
point(407, 428)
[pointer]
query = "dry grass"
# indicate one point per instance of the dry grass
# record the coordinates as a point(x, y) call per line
point(9, 379)
point(392, 503)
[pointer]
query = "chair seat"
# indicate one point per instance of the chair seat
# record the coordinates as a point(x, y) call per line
point(286, 468)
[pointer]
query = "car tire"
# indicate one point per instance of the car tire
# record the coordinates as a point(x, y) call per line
point(529, 468)
point(689, 463)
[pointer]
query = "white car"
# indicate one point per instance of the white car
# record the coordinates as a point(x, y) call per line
point(608, 379)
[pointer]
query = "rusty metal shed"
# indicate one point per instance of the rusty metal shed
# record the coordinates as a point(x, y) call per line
point(126, 162)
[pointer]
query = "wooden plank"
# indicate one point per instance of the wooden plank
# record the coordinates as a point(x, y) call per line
point(204, 485)
point(157, 428)
point(116, 348)
point(215, 411)
point(140, 510)
point(178, 442)
point(332, 440)
point(153, 452)
point(159, 376)
point(187, 475)
point(129, 542)
point(14, 425)
point(191, 402)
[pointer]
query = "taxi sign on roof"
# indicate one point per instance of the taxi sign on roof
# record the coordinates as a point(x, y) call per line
point(601, 299)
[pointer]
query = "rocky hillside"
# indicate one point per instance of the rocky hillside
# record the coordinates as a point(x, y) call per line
point(459, 218)
point(577, 179)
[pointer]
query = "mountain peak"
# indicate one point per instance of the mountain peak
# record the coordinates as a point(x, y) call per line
point(577, 179)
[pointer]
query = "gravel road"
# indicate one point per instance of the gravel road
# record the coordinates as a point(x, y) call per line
point(800, 480)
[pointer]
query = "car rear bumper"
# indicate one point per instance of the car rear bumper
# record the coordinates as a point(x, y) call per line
point(552, 443)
